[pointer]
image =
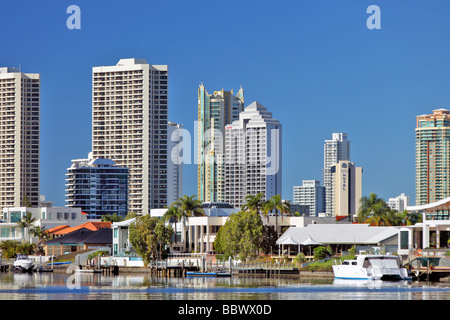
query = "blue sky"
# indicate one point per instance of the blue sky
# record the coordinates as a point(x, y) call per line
point(314, 64)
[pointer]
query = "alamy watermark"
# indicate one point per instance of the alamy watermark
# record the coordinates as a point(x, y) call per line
point(74, 20)
point(374, 21)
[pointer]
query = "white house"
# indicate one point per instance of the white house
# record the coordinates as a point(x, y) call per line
point(46, 217)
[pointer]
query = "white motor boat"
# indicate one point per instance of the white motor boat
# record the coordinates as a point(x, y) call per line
point(372, 267)
point(23, 263)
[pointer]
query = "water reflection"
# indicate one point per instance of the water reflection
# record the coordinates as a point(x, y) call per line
point(40, 286)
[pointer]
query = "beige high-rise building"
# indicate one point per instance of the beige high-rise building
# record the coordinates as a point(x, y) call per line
point(334, 150)
point(19, 136)
point(129, 126)
point(346, 180)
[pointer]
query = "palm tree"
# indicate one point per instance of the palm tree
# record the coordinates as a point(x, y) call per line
point(26, 223)
point(41, 234)
point(372, 209)
point(173, 212)
point(409, 218)
point(275, 203)
point(254, 202)
point(189, 207)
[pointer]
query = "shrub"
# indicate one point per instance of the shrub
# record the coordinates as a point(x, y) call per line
point(320, 253)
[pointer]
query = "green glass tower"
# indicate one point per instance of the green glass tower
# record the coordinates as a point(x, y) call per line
point(214, 112)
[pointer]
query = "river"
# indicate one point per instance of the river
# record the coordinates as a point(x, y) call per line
point(62, 286)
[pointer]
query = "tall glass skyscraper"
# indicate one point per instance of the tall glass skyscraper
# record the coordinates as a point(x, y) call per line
point(214, 112)
point(432, 156)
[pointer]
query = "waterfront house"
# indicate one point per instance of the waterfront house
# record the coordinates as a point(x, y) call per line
point(91, 225)
point(46, 217)
point(341, 237)
point(81, 239)
point(200, 232)
point(432, 232)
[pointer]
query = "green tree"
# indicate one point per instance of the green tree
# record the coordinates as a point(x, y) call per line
point(9, 249)
point(26, 248)
point(299, 259)
point(276, 204)
point(42, 234)
point(190, 206)
point(130, 215)
point(409, 218)
point(25, 202)
point(148, 237)
point(373, 210)
point(173, 213)
point(164, 235)
point(112, 218)
point(26, 222)
point(240, 236)
point(320, 253)
point(254, 202)
point(268, 240)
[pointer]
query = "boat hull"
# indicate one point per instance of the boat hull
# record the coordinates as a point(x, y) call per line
point(358, 273)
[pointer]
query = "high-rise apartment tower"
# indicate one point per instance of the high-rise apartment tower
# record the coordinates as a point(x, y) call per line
point(334, 150)
point(252, 155)
point(97, 186)
point(432, 156)
point(129, 126)
point(310, 194)
point(19, 138)
point(214, 112)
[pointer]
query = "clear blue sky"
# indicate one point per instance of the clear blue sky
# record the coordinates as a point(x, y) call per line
point(314, 64)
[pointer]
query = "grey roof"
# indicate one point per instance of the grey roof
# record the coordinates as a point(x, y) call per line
point(339, 234)
point(84, 236)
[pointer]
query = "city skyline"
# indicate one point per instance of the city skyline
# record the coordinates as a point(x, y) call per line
point(319, 71)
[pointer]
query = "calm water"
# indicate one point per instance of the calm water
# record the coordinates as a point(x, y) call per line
point(61, 286)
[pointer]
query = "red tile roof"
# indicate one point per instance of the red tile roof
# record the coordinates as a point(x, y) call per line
point(92, 225)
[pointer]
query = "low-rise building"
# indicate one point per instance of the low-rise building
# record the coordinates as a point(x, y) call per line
point(45, 217)
point(341, 237)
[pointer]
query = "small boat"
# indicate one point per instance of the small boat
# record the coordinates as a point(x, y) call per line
point(372, 267)
point(23, 263)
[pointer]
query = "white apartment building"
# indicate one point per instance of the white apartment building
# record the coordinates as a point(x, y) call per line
point(334, 150)
point(97, 186)
point(174, 162)
point(252, 155)
point(19, 137)
point(399, 203)
point(129, 126)
point(311, 194)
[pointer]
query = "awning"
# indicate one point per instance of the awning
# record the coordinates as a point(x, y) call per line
point(311, 242)
point(288, 240)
